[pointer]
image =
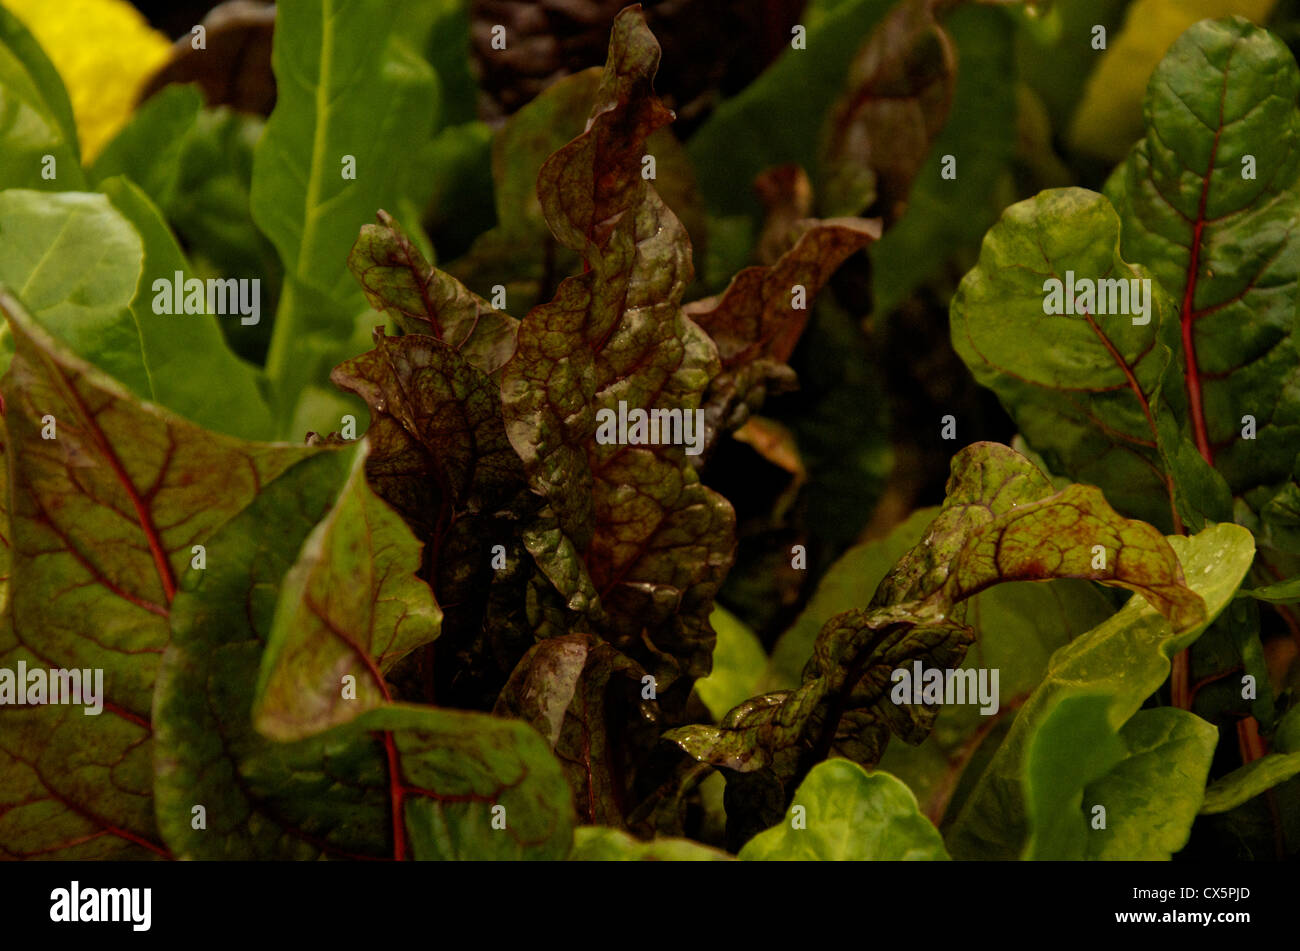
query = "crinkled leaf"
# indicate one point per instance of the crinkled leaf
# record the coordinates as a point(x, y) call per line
point(1128, 657)
point(520, 253)
point(398, 281)
point(1001, 522)
point(104, 520)
point(584, 698)
point(632, 526)
point(849, 814)
point(603, 844)
point(1222, 241)
point(897, 95)
point(756, 322)
point(440, 457)
point(351, 606)
point(1084, 390)
point(1149, 776)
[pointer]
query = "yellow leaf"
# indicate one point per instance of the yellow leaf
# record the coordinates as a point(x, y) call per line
point(104, 50)
point(1109, 118)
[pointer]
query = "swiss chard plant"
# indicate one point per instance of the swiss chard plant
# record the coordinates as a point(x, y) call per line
point(590, 541)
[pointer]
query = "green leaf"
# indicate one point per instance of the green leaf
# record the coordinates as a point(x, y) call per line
point(37, 115)
point(1084, 390)
point(75, 263)
point(331, 794)
point(262, 800)
point(300, 197)
point(945, 216)
point(738, 662)
point(196, 165)
point(849, 814)
point(602, 844)
point(86, 269)
point(778, 117)
point(1249, 781)
point(632, 538)
point(462, 772)
point(191, 370)
point(350, 607)
point(105, 518)
point(148, 148)
point(1147, 776)
point(1283, 592)
point(1152, 796)
point(1223, 241)
point(1128, 657)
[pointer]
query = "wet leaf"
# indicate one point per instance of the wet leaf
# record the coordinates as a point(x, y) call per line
point(1148, 777)
point(632, 526)
point(1127, 657)
point(1002, 521)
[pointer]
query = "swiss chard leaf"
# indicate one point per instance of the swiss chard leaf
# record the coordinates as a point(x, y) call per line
point(636, 541)
point(352, 607)
point(1084, 389)
point(106, 515)
point(1002, 521)
point(1127, 657)
point(1218, 234)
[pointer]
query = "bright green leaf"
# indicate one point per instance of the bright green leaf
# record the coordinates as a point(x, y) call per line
point(843, 813)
